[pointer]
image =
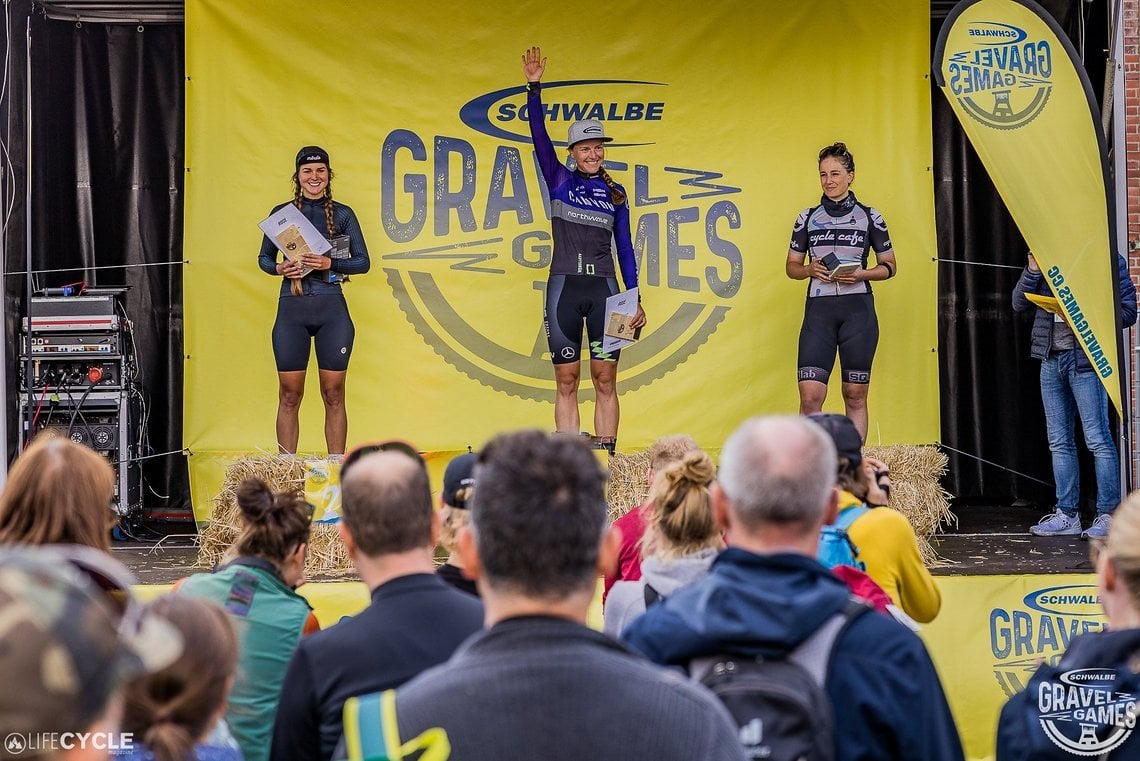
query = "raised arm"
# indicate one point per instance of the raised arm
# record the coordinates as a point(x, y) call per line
point(533, 67)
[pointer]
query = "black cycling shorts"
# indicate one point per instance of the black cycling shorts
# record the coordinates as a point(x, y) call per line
point(570, 299)
point(847, 323)
point(300, 320)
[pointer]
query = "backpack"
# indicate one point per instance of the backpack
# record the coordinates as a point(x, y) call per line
point(835, 545)
point(779, 704)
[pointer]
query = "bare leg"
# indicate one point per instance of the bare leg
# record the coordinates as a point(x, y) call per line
point(567, 377)
point(855, 401)
point(812, 396)
point(336, 417)
point(606, 413)
point(290, 391)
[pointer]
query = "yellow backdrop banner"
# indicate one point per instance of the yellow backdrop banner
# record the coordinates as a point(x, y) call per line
point(1028, 110)
point(717, 120)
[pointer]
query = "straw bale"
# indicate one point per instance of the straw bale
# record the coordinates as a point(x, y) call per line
point(627, 486)
point(326, 554)
point(916, 490)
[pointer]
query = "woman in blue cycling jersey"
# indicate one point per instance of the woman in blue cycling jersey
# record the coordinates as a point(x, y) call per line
point(589, 218)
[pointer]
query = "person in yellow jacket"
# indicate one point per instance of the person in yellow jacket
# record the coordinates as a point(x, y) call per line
point(884, 537)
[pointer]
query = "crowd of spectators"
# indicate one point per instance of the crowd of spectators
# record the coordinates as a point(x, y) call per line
point(494, 659)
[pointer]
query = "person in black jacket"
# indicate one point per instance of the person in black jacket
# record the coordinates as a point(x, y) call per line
point(539, 683)
point(1070, 386)
point(1086, 704)
point(415, 620)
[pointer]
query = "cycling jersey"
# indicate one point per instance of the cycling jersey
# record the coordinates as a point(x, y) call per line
point(585, 223)
point(847, 229)
point(344, 223)
point(320, 315)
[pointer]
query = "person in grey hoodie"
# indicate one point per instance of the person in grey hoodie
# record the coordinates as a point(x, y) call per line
point(679, 545)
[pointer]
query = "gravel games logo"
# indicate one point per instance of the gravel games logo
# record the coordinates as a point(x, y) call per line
point(1083, 713)
point(471, 221)
point(1040, 630)
point(1004, 78)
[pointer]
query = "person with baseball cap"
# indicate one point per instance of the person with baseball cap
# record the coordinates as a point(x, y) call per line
point(886, 541)
point(589, 211)
point(458, 488)
point(311, 308)
point(72, 636)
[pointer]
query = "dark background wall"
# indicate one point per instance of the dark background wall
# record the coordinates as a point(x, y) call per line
point(992, 420)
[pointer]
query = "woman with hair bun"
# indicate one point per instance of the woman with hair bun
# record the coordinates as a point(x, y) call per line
point(1085, 703)
point(829, 248)
point(311, 308)
point(256, 590)
point(170, 714)
point(678, 545)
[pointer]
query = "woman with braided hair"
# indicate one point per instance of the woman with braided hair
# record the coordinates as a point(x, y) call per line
point(589, 217)
point(311, 308)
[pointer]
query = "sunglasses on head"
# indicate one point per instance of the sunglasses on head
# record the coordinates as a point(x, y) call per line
point(392, 445)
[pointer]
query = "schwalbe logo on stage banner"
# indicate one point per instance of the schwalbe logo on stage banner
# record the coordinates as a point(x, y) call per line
point(466, 212)
point(500, 115)
point(1040, 630)
point(1002, 77)
point(1081, 711)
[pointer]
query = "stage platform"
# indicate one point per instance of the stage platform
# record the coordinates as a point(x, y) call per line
point(988, 540)
point(994, 540)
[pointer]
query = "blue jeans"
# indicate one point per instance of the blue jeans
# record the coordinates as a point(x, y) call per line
point(1064, 393)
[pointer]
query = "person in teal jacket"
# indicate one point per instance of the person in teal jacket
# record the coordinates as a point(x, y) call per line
point(256, 589)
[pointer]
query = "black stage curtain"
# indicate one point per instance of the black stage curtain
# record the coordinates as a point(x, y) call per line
point(990, 391)
point(107, 169)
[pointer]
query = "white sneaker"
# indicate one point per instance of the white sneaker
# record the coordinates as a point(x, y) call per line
point(1099, 527)
point(1057, 524)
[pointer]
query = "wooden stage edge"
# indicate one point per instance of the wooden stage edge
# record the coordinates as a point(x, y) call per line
point(988, 540)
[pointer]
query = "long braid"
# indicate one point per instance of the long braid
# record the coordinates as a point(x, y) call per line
point(297, 190)
point(329, 210)
point(616, 195)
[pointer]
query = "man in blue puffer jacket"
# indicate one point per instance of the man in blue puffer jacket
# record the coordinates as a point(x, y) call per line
point(1071, 386)
point(766, 594)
